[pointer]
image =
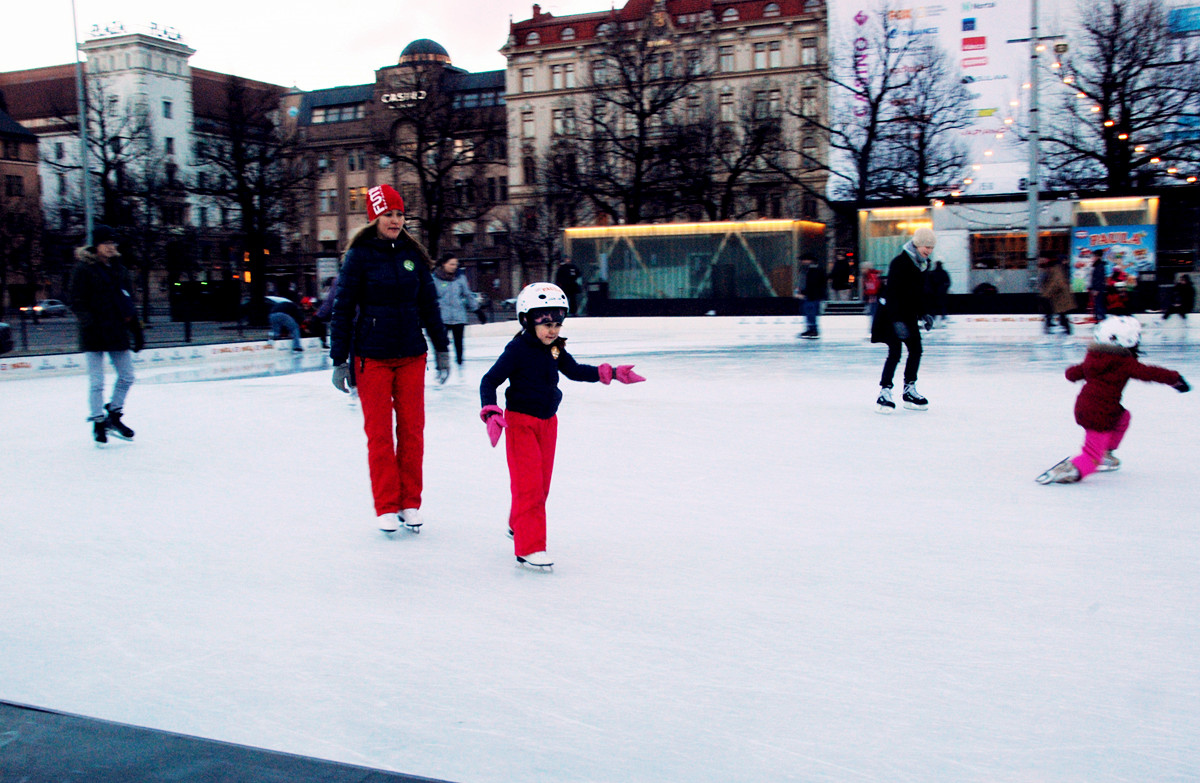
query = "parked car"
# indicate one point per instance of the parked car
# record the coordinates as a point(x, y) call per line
point(48, 308)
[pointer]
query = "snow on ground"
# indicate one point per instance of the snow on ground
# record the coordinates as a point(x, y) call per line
point(757, 578)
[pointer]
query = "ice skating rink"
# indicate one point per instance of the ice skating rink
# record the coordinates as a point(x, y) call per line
point(757, 577)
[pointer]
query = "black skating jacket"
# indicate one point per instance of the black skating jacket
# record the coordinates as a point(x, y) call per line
point(101, 296)
point(531, 369)
point(385, 295)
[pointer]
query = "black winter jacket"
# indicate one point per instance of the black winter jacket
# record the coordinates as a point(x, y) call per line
point(385, 295)
point(531, 368)
point(902, 298)
point(101, 296)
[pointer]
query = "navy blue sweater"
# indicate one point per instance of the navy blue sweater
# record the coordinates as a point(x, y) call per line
point(531, 369)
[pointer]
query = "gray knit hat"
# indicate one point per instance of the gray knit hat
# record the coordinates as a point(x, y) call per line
point(924, 237)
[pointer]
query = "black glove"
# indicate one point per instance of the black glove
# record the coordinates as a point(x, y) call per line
point(341, 378)
point(139, 337)
point(901, 330)
point(1181, 385)
point(442, 360)
point(927, 322)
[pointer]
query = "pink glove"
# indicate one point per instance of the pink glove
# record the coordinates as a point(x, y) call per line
point(625, 374)
point(606, 373)
point(493, 417)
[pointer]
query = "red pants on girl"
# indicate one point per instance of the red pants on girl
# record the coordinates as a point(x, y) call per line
point(392, 391)
point(529, 445)
point(1095, 443)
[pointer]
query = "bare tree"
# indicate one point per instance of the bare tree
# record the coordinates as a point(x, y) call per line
point(1132, 100)
point(20, 230)
point(450, 151)
point(247, 162)
point(924, 156)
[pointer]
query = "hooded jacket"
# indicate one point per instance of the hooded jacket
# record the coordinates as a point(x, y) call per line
point(385, 296)
point(1106, 369)
point(101, 298)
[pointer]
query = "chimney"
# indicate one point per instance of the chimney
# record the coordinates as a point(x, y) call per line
point(537, 10)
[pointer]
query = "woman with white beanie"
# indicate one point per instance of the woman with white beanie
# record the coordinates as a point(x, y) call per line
point(901, 306)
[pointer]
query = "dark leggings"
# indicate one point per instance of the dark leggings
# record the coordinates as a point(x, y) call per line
point(913, 341)
point(456, 330)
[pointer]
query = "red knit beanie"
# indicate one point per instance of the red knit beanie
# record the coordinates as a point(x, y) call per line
point(382, 198)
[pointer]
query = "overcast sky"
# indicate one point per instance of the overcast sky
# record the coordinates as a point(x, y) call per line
point(303, 44)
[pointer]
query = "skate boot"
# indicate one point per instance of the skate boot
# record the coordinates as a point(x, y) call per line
point(538, 560)
point(1064, 472)
point(913, 399)
point(1108, 462)
point(114, 423)
point(100, 432)
point(388, 522)
point(884, 404)
point(411, 518)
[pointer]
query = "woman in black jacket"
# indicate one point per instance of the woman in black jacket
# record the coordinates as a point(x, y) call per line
point(901, 306)
point(385, 295)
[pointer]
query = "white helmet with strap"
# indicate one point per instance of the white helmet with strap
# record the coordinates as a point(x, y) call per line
point(1122, 330)
point(540, 296)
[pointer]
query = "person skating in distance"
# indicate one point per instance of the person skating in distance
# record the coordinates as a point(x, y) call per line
point(531, 363)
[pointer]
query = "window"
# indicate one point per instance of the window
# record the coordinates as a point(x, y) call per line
point(556, 77)
point(812, 6)
point(14, 186)
point(12, 149)
point(318, 115)
point(169, 145)
point(599, 72)
point(808, 149)
point(322, 164)
point(727, 114)
point(569, 75)
point(356, 199)
point(168, 109)
point(529, 170)
point(502, 186)
point(62, 185)
point(725, 59)
point(568, 34)
point(771, 9)
point(808, 51)
point(528, 130)
point(730, 15)
point(464, 149)
point(356, 160)
point(202, 180)
point(327, 200)
point(760, 56)
point(808, 101)
point(526, 80)
point(59, 150)
point(564, 122)
point(775, 103)
point(170, 170)
point(774, 55)
point(202, 219)
point(533, 39)
point(693, 108)
point(694, 62)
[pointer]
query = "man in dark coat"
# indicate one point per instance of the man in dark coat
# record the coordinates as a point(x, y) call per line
point(101, 296)
point(812, 293)
point(568, 279)
point(285, 318)
point(1184, 298)
point(901, 306)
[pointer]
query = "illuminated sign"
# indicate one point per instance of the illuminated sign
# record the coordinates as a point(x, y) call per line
point(974, 44)
point(403, 97)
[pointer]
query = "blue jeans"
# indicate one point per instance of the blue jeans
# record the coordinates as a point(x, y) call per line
point(282, 323)
point(123, 362)
point(811, 311)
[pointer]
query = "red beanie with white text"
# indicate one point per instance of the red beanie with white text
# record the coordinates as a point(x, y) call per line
point(382, 198)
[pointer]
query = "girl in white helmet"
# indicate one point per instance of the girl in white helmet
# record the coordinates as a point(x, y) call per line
point(531, 363)
point(1111, 360)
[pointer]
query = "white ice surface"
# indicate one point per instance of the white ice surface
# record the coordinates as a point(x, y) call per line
point(757, 578)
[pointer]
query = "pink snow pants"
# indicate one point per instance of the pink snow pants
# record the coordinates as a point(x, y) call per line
point(529, 444)
point(1095, 443)
point(392, 394)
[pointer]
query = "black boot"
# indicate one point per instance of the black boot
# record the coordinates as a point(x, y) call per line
point(114, 423)
point(100, 431)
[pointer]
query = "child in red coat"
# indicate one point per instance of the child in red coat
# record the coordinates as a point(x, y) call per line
point(1110, 362)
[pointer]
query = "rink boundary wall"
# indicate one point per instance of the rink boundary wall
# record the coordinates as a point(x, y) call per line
point(588, 335)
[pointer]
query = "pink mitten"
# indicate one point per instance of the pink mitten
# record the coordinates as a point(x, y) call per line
point(606, 373)
point(625, 374)
point(493, 417)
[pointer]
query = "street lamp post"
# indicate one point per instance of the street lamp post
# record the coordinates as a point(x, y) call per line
point(81, 107)
point(1031, 243)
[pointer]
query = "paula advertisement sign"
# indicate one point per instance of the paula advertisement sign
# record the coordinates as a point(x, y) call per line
point(1130, 248)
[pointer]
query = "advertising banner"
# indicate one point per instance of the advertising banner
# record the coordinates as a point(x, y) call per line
point(1128, 248)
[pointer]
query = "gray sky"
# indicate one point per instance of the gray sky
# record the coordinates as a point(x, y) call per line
point(300, 44)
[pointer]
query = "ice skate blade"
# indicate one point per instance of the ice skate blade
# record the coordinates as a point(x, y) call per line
point(523, 563)
point(912, 406)
point(414, 529)
point(885, 409)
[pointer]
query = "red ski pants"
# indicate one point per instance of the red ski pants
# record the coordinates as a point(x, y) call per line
point(392, 394)
point(1095, 443)
point(529, 444)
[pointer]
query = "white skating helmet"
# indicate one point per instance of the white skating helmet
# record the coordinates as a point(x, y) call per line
point(540, 296)
point(1122, 330)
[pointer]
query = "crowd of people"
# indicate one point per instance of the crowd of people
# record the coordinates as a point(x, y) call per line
point(391, 301)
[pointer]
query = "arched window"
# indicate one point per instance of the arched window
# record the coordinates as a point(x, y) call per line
point(568, 34)
point(605, 29)
point(812, 6)
point(772, 9)
point(730, 15)
point(533, 39)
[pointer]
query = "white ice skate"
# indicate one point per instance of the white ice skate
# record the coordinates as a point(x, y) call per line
point(913, 399)
point(1108, 462)
point(884, 403)
point(389, 522)
point(537, 560)
point(411, 518)
point(1064, 472)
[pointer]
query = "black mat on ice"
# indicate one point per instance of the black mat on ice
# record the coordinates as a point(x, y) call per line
point(39, 745)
